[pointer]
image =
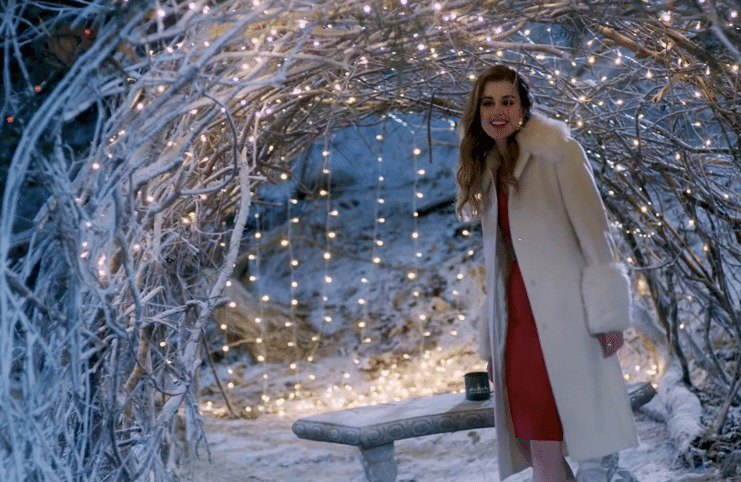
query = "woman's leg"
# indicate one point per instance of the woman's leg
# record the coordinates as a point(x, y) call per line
point(549, 464)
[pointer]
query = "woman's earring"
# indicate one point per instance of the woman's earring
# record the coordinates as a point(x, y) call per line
point(521, 122)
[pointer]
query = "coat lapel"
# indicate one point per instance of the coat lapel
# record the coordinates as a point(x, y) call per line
point(491, 165)
point(521, 162)
point(527, 139)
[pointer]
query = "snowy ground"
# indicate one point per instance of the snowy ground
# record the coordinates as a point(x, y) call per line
point(266, 450)
point(391, 337)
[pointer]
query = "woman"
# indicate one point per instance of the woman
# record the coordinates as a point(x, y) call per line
point(557, 300)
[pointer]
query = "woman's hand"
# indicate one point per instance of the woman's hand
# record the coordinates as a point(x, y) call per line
point(610, 342)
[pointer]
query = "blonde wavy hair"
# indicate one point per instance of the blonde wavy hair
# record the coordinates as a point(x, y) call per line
point(476, 144)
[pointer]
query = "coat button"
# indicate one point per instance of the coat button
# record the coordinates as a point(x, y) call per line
point(519, 239)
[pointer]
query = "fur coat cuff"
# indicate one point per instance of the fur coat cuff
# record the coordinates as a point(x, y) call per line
point(607, 298)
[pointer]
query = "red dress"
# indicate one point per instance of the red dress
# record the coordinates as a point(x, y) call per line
point(531, 402)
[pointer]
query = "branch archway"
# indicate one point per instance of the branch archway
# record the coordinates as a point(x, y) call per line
point(192, 106)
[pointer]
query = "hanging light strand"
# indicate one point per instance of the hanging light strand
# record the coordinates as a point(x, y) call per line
point(256, 280)
point(417, 195)
point(325, 192)
point(293, 283)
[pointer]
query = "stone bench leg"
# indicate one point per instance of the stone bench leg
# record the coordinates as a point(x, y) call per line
point(379, 463)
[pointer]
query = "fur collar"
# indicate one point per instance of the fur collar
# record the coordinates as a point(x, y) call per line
point(542, 135)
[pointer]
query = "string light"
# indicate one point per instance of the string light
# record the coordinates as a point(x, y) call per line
point(261, 349)
point(326, 193)
point(377, 243)
point(293, 284)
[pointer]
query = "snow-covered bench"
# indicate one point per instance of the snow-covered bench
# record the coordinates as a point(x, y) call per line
point(375, 428)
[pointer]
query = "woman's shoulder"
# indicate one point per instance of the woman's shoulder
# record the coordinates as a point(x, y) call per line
point(543, 135)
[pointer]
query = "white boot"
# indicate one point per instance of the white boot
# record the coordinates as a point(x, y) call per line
point(591, 470)
point(605, 469)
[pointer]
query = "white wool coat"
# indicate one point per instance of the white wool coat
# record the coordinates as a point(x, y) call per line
point(577, 289)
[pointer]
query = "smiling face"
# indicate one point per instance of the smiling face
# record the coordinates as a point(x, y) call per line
point(500, 111)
